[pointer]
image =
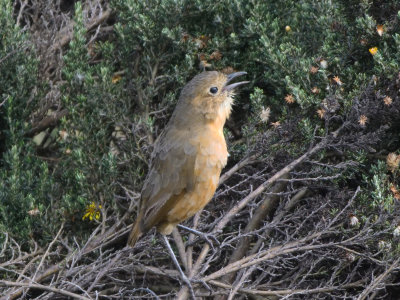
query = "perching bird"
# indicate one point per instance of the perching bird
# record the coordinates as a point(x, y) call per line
point(188, 156)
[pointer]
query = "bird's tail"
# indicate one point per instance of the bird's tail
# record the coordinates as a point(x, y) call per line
point(135, 234)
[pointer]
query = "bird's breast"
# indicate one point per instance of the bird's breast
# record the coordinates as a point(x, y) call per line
point(212, 150)
point(211, 157)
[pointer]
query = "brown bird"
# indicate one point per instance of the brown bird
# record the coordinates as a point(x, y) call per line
point(188, 156)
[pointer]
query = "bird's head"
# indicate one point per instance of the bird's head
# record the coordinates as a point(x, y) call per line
point(209, 94)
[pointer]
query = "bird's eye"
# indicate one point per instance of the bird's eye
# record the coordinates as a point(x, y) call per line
point(213, 90)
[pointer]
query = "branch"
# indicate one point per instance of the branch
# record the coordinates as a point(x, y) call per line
point(47, 251)
point(267, 207)
point(66, 34)
point(374, 283)
point(296, 246)
point(289, 291)
point(247, 161)
point(42, 287)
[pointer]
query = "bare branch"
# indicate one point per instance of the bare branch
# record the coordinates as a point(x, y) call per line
point(42, 287)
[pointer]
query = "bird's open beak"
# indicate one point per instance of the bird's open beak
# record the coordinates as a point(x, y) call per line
point(230, 77)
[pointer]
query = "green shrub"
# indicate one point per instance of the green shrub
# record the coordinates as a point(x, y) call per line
point(25, 179)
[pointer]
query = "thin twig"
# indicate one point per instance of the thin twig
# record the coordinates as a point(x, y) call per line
point(43, 287)
point(289, 291)
point(181, 247)
point(48, 250)
point(296, 246)
point(378, 280)
point(247, 161)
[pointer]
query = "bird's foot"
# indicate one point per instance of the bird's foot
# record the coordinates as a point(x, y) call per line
point(204, 236)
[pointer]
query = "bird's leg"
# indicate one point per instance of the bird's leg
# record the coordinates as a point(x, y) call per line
point(176, 263)
point(200, 234)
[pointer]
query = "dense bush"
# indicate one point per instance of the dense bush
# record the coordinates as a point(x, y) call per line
point(87, 88)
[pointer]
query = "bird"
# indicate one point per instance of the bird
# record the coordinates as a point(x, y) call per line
point(188, 156)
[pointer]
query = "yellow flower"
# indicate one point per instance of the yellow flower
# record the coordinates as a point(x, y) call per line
point(116, 78)
point(287, 28)
point(92, 211)
point(373, 50)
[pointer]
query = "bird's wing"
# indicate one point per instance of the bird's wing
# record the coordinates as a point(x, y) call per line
point(171, 172)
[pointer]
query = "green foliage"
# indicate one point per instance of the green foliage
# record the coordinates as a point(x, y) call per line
point(25, 180)
point(87, 171)
point(378, 188)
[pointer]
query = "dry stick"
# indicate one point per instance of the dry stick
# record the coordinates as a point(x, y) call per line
point(235, 289)
point(248, 261)
point(247, 161)
point(221, 224)
point(267, 207)
point(374, 283)
point(21, 11)
point(289, 292)
point(66, 34)
point(103, 272)
point(20, 291)
point(189, 252)
point(181, 247)
point(377, 261)
point(26, 268)
point(49, 271)
point(6, 239)
point(21, 258)
point(296, 246)
point(77, 255)
point(262, 187)
point(47, 251)
point(42, 287)
point(170, 273)
point(289, 205)
point(53, 269)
